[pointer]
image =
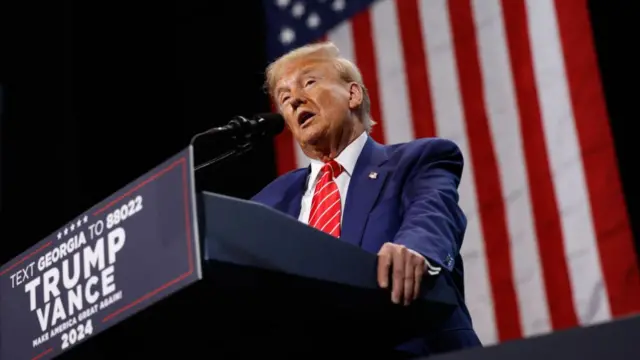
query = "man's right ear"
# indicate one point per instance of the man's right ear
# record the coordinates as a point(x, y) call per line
point(356, 95)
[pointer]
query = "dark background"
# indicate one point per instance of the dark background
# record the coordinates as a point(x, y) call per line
point(97, 93)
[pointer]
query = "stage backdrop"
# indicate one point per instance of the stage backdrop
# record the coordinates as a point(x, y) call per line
point(515, 84)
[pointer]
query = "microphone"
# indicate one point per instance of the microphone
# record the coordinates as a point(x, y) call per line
point(248, 129)
point(243, 132)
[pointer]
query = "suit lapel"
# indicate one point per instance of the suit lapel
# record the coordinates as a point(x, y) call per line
point(365, 185)
point(293, 197)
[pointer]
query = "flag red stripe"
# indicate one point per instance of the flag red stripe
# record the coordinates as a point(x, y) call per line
point(545, 207)
point(488, 187)
point(285, 152)
point(615, 241)
point(365, 57)
point(415, 64)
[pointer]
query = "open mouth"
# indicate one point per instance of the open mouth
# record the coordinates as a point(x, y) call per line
point(304, 116)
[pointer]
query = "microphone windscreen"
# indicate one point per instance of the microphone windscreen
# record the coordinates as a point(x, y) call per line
point(272, 123)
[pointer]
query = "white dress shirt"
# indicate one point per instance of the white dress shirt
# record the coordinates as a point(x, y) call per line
point(347, 158)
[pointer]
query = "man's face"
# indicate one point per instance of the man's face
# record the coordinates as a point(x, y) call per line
point(314, 101)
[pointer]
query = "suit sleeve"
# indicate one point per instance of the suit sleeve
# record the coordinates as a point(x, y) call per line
point(433, 224)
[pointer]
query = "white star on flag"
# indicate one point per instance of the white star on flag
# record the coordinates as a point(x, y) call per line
point(282, 3)
point(338, 5)
point(287, 36)
point(298, 10)
point(313, 21)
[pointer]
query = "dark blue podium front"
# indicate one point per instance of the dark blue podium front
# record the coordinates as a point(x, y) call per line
point(272, 287)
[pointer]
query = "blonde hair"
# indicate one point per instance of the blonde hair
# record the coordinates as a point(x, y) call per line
point(323, 51)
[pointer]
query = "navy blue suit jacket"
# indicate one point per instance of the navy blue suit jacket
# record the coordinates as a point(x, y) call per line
point(412, 201)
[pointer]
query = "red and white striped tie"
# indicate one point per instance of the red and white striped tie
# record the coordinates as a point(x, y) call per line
point(326, 207)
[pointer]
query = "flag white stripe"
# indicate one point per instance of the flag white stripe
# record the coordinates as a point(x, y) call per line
point(342, 37)
point(450, 123)
point(502, 113)
point(394, 99)
point(583, 259)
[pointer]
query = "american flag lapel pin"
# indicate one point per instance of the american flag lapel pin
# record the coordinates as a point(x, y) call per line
point(373, 175)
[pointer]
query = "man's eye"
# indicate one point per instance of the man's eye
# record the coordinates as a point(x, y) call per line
point(309, 82)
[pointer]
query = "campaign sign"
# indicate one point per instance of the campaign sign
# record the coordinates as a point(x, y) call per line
point(129, 251)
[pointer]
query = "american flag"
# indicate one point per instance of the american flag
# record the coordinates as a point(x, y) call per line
point(515, 84)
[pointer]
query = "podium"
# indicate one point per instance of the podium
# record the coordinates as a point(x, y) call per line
point(158, 270)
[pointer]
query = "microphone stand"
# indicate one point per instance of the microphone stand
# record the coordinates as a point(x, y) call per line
point(242, 145)
point(239, 150)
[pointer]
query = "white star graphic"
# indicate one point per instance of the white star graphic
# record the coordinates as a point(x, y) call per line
point(287, 36)
point(59, 235)
point(84, 219)
point(313, 21)
point(78, 223)
point(72, 227)
point(66, 231)
point(298, 10)
point(282, 3)
point(338, 5)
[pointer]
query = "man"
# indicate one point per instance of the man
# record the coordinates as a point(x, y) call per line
point(399, 201)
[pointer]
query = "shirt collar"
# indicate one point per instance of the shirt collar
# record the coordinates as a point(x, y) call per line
point(347, 158)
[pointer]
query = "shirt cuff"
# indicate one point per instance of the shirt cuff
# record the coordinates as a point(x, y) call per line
point(430, 269)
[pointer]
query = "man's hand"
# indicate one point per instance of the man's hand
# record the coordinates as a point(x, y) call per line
point(407, 267)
